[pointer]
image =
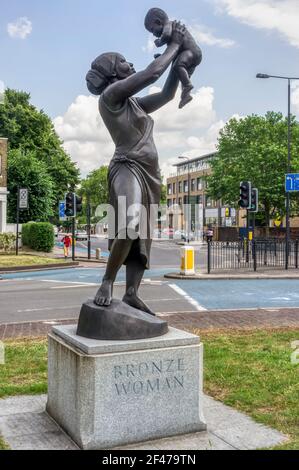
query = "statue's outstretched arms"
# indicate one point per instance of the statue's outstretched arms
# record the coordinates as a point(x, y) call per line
point(122, 89)
point(155, 101)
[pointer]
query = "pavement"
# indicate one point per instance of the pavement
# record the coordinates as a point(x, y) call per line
point(25, 425)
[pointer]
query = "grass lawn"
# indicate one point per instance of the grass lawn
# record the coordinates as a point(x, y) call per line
point(7, 261)
point(248, 370)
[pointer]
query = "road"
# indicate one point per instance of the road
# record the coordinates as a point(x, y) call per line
point(163, 253)
point(58, 294)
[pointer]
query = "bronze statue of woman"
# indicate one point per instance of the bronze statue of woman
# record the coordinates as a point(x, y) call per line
point(134, 170)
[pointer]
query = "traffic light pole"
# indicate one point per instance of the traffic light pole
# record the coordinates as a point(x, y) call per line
point(18, 219)
point(73, 238)
point(88, 230)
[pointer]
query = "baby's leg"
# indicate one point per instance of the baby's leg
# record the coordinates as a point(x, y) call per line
point(184, 67)
point(182, 64)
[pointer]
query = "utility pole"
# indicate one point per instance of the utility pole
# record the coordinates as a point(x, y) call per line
point(88, 227)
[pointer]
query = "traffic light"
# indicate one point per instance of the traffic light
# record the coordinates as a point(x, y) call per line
point(254, 200)
point(245, 195)
point(70, 206)
point(78, 204)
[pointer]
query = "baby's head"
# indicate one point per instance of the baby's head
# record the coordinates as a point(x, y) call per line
point(155, 20)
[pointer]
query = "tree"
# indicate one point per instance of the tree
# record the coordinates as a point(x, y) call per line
point(95, 188)
point(29, 129)
point(25, 170)
point(254, 149)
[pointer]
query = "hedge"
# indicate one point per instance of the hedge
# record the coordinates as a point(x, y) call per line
point(26, 233)
point(38, 235)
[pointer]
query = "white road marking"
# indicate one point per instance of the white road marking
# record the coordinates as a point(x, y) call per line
point(47, 308)
point(74, 287)
point(184, 294)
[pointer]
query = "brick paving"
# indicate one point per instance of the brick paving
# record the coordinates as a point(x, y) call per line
point(209, 320)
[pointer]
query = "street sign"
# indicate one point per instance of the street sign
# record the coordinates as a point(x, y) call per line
point(62, 210)
point(23, 198)
point(292, 182)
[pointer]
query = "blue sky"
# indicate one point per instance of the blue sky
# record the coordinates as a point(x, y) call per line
point(61, 37)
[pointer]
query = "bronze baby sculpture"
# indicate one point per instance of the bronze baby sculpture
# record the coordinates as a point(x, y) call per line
point(189, 57)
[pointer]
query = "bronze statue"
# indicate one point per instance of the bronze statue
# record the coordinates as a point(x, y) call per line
point(133, 175)
point(189, 57)
point(134, 169)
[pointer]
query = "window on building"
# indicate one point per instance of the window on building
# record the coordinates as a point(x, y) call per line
point(180, 201)
point(199, 184)
point(185, 186)
point(169, 189)
point(199, 199)
point(180, 187)
point(209, 202)
point(192, 185)
point(173, 188)
point(211, 221)
point(168, 203)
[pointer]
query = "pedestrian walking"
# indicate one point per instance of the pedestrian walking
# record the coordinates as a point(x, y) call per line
point(209, 234)
point(67, 242)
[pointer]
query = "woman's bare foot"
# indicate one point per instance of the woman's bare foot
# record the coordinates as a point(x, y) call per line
point(104, 294)
point(132, 299)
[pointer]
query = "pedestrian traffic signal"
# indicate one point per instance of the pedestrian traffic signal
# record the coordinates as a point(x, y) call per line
point(78, 204)
point(254, 200)
point(245, 195)
point(70, 205)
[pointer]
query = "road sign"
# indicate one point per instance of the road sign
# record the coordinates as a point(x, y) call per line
point(292, 182)
point(23, 198)
point(62, 210)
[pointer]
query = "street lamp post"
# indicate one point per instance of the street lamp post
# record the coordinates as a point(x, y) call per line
point(188, 216)
point(287, 237)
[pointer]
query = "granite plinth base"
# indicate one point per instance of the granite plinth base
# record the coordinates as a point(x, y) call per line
point(111, 393)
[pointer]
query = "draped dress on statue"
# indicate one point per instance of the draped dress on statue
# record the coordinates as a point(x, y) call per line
point(135, 160)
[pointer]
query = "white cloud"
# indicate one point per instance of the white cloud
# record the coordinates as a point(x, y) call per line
point(205, 35)
point(192, 131)
point(273, 15)
point(2, 88)
point(85, 137)
point(150, 45)
point(295, 99)
point(21, 28)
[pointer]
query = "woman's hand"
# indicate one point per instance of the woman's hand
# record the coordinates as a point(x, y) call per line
point(178, 33)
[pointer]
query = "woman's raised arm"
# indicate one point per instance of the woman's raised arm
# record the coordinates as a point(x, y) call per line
point(155, 101)
point(122, 89)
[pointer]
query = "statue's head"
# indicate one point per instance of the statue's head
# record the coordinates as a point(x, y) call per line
point(155, 20)
point(106, 69)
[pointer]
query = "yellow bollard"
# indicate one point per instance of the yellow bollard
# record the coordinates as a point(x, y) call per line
point(187, 260)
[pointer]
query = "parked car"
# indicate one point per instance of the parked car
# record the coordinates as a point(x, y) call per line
point(81, 235)
point(168, 232)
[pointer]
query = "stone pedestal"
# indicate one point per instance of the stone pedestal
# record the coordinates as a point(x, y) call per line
point(110, 393)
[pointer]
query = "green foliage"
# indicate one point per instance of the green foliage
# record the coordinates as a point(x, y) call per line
point(25, 170)
point(163, 198)
point(254, 149)
point(95, 188)
point(26, 233)
point(7, 241)
point(38, 236)
point(32, 130)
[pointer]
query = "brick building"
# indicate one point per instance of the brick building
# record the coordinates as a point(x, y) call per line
point(204, 210)
point(3, 184)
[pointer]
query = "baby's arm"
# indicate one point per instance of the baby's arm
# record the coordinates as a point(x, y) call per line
point(166, 35)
